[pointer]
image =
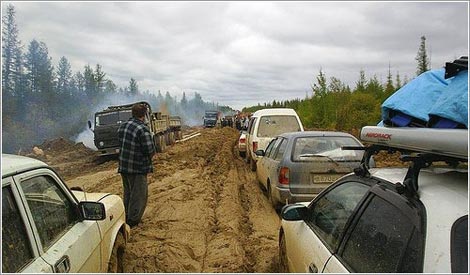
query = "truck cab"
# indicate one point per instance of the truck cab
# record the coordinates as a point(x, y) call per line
point(107, 123)
point(210, 118)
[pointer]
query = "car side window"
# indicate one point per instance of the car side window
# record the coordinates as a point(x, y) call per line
point(329, 214)
point(384, 229)
point(281, 150)
point(459, 246)
point(270, 147)
point(251, 125)
point(275, 146)
point(53, 213)
point(16, 248)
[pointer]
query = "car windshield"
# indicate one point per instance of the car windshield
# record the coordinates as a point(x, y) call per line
point(112, 118)
point(325, 149)
point(271, 126)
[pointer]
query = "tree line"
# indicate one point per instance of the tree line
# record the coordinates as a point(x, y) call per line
point(41, 101)
point(333, 105)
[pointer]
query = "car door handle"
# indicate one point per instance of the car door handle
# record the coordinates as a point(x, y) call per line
point(62, 265)
point(312, 268)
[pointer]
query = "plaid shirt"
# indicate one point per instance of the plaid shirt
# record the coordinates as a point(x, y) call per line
point(137, 148)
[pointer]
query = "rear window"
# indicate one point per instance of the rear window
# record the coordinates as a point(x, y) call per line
point(317, 148)
point(271, 126)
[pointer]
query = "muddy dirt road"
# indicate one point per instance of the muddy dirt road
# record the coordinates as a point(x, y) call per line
point(205, 211)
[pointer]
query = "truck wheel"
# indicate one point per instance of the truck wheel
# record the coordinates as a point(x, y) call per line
point(156, 141)
point(115, 264)
point(162, 142)
point(172, 138)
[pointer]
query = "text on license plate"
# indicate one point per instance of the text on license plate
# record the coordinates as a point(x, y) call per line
point(325, 178)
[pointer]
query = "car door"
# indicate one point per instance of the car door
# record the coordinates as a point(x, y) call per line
point(386, 236)
point(311, 243)
point(19, 251)
point(275, 160)
point(63, 241)
point(270, 173)
point(261, 164)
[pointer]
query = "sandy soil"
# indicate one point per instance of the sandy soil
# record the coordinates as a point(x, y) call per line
point(205, 211)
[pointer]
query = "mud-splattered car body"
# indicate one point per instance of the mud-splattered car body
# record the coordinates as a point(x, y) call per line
point(46, 227)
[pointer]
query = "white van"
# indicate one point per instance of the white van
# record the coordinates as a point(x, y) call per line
point(265, 125)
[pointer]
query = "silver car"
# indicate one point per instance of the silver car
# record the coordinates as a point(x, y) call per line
point(297, 166)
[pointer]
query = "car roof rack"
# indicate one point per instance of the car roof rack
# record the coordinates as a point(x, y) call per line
point(420, 146)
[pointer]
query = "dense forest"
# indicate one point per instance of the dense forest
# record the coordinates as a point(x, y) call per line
point(42, 101)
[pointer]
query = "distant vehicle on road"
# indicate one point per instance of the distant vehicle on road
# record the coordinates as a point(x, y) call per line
point(266, 124)
point(297, 166)
point(48, 228)
point(211, 118)
point(242, 144)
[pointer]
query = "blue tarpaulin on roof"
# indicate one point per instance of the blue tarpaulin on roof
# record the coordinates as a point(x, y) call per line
point(429, 97)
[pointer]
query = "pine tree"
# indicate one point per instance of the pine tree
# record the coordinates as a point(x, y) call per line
point(389, 89)
point(64, 76)
point(133, 87)
point(11, 51)
point(99, 76)
point(361, 83)
point(422, 57)
point(398, 81)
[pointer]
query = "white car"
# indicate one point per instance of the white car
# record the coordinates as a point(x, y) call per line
point(385, 220)
point(265, 125)
point(48, 228)
point(242, 144)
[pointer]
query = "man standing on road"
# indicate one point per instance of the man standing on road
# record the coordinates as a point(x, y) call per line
point(135, 162)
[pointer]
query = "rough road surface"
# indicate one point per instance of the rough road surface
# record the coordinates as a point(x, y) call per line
point(205, 211)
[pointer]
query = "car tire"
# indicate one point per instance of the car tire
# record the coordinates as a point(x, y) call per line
point(252, 164)
point(242, 154)
point(115, 264)
point(283, 266)
point(272, 200)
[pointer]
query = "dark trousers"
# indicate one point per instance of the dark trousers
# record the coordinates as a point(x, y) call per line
point(135, 196)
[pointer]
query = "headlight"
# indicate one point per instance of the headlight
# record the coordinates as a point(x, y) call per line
point(101, 143)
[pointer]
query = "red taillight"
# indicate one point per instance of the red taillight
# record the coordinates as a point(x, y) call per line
point(242, 140)
point(255, 146)
point(284, 175)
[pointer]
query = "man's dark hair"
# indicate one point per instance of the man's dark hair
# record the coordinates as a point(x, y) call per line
point(139, 110)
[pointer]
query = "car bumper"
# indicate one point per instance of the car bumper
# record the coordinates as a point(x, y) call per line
point(109, 151)
point(242, 148)
point(283, 195)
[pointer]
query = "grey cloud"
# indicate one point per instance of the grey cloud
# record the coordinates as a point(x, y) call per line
point(242, 53)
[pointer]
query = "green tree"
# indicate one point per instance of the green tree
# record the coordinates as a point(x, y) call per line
point(361, 83)
point(64, 76)
point(11, 51)
point(422, 57)
point(133, 87)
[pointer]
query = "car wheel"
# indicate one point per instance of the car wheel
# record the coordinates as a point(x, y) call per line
point(283, 266)
point(252, 164)
point(242, 154)
point(115, 264)
point(271, 198)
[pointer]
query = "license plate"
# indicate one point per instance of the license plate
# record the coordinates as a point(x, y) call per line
point(325, 178)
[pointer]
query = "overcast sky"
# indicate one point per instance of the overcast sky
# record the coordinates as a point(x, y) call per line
point(243, 53)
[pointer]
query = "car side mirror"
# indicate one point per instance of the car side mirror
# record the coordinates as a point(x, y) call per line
point(89, 125)
point(294, 212)
point(260, 153)
point(93, 211)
